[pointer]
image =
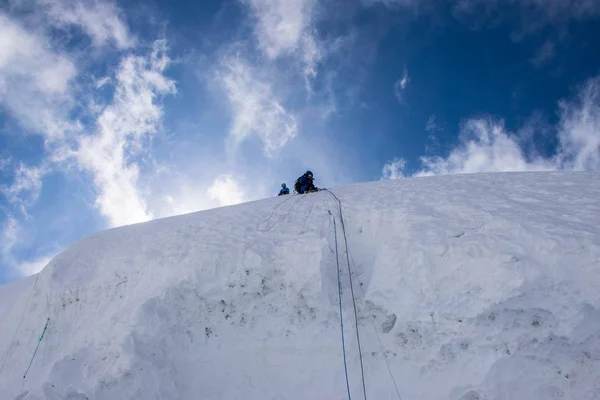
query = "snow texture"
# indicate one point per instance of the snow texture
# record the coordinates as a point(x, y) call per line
point(478, 287)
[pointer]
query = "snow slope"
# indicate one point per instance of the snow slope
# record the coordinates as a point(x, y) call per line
point(469, 286)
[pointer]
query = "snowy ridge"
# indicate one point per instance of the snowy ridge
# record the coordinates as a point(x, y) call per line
point(478, 286)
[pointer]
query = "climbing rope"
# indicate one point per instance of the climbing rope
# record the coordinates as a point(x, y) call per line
point(49, 300)
point(10, 346)
point(36, 348)
point(349, 258)
point(385, 357)
point(337, 258)
point(290, 197)
point(362, 369)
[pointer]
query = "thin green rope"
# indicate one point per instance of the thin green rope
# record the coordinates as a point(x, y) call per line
point(10, 346)
point(36, 348)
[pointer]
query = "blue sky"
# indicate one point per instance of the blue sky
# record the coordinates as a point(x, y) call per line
point(117, 113)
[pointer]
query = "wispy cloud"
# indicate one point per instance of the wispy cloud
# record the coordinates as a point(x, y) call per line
point(11, 235)
point(401, 85)
point(34, 81)
point(25, 187)
point(579, 129)
point(34, 266)
point(544, 53)
point(432, 126)
point(5, 162)
point(226, 191)
point(256, 109)
point(103, 81)
point(110, 154)
point(395, 169)
point(285, 28)
point(485, 145)
point(268, 80)
point(36, 77)
point(100, 20)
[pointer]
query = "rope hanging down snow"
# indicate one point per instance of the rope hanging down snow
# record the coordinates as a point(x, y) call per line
point(385, 357)
point(36, 348)
point(349, 258)
point(337, 258)
point(19, 324)
point(362, 369)
point(289, 197)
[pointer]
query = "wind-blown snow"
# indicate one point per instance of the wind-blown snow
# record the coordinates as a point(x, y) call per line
point(478, 286)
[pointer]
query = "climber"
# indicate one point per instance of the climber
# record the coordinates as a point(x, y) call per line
point(304, 184)
point(284, 190)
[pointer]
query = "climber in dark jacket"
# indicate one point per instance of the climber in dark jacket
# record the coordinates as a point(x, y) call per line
point(284, 190)
point(305, 184)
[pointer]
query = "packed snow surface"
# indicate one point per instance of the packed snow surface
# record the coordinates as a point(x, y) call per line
point(469, 287)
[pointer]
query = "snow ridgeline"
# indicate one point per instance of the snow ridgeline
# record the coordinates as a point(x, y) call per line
point(476, 286)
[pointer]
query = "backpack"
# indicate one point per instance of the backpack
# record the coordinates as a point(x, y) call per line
point(297, 185)
point(306, 181)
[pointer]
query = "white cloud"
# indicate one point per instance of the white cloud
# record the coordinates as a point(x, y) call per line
point(34, 81)
point(285, 27)
point(9, 236)
point(26, 186)
point(256, 108)
point(544, 53)
point(486, 146)
point(579, 129)
point(281, 24)
point(203, 185)
point(122, 126)
point(100, 20)
point(311, 56)
point(34, 266)
point(285, 34)
point(404, 81)
point(226, 191)
point(35, 78)
point(432, 126)
point(394, 169)
point(5, 162)
point(103, 81)
point(401, 85)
